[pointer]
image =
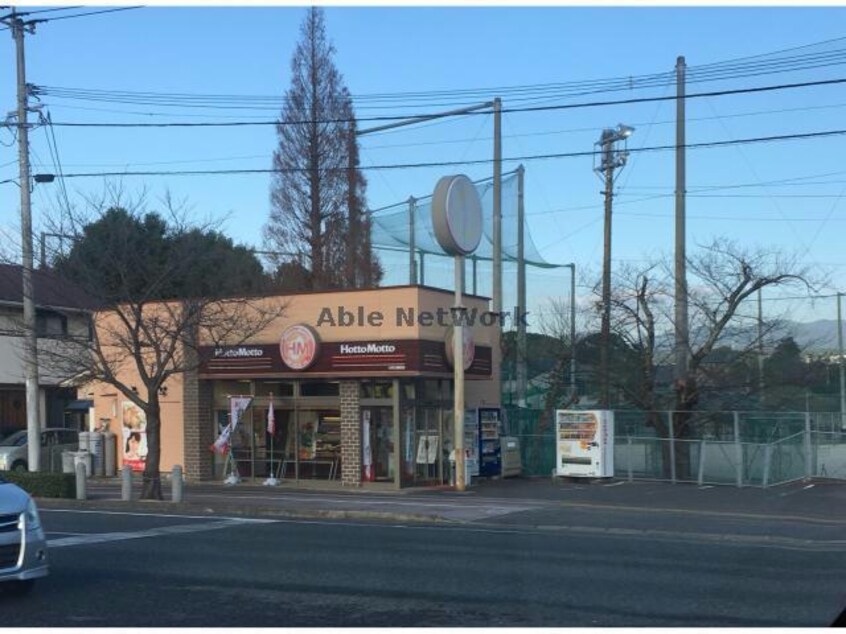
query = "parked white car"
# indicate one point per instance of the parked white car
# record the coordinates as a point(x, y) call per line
point(13, 450)
point(23, 547)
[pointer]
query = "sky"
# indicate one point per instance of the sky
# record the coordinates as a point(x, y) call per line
point(784, 195)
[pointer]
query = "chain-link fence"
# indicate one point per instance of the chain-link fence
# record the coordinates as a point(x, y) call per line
point(732, 448)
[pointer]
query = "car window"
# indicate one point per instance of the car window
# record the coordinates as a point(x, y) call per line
point(68, 437)
point(18, 439)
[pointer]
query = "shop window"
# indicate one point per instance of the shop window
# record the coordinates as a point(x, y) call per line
point(377, 389)
point(277, 388)
point(319, 388)
point(224, 389)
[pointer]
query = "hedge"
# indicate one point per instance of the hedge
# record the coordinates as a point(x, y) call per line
point(43, 485)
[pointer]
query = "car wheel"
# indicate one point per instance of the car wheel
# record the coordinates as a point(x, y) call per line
point(20, 588)
point(19, 466)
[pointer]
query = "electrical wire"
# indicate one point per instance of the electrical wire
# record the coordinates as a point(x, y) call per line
point(82, 15)
point(537, 157)
point(731, 69)
point(225, 124)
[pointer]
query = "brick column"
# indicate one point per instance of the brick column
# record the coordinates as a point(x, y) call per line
point(197, 427)
point(350, 433)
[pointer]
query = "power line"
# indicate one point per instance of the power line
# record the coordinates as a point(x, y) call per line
point(559, 155)
point(592, 104)
point(82, 15)
point(729, 69)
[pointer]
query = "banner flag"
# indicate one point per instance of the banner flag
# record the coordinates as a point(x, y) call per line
point(271, 418)
point(221, 445)
point(237, 406)
point(366, 452)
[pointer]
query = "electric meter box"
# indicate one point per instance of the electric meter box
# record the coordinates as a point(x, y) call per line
point(584, 443)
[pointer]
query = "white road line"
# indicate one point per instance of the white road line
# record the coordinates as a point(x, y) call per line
point(244, 520)
point(101, 538)
point(613, 484)
point(363, 502)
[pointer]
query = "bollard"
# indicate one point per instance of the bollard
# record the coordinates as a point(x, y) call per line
point(80, 481)
point(176, 484)
point(126, 483)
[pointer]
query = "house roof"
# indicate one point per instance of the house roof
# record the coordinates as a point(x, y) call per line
point(49, 289)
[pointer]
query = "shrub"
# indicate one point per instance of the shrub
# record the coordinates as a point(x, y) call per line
point(43, 485)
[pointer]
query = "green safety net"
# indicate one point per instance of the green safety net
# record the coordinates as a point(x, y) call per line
point(390, 226)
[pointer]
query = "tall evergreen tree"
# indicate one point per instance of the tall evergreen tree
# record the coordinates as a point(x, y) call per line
point(318, 192)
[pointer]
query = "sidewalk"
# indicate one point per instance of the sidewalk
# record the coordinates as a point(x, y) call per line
point(513, 500)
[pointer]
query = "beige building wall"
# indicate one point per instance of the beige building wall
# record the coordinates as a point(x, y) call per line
point(361, 307)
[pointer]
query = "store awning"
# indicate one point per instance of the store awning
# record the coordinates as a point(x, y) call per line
point(79, 406)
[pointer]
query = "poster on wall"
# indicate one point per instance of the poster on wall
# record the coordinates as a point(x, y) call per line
point(427, 449)
point(134, 428)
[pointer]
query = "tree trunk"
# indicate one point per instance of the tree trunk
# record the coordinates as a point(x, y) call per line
point(152, 483)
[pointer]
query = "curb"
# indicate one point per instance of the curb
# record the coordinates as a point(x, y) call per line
point(165, 507)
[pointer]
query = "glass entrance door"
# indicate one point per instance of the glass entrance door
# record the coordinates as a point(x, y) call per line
point(382, 443)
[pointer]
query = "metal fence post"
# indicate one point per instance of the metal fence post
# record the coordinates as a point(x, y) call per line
point(701, 478)
point(80, 481)
point(126, 483)
point(672, 447)
point(768, 452)
point(629, 443)
point(176, 484)
point(808, 467)
point(738, 448)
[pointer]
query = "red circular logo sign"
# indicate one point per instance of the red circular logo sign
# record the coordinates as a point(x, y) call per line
point(298, 346)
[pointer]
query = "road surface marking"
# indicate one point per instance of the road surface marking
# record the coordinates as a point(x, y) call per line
point(245, 520)
point(179, 529)
point(613, 484)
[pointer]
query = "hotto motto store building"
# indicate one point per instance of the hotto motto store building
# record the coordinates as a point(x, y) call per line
point(360, 383)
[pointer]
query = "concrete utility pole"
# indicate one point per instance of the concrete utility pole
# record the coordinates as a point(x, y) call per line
point(522, 374)
point(33, 421)
point(497, 209)
point(760, 345)
point(611, 159)
point(840, 363)
point(572, 267)
point(681, 314)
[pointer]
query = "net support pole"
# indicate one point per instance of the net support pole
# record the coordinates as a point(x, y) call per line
point(412, 261)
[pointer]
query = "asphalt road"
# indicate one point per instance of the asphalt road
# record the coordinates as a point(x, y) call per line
point(151, 570)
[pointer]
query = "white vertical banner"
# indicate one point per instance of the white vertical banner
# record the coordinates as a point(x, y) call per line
point(366, 451)
point(237, 407)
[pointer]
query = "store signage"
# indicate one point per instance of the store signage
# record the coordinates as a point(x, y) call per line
point(367, 348)
point(469, 347)
point(238, 352)
point(299, 346)
point(347, 358)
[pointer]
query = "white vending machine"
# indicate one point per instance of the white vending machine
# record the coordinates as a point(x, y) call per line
point(584, 443)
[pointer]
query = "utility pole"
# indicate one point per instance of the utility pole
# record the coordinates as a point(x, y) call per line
point(572, 267)
point(681, 314)
point(611, 159)
point(840, 363)
point(522, 374)
point(605, 332)
point(412, 257)
point(497, 210)
point(33, 421)
point(353, 216)
point(760, 346)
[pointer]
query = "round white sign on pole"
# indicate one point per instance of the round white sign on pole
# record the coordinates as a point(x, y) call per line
point(457, 215)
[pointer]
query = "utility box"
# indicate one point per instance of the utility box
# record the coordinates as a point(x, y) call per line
point(511, 463)
point(584, 443)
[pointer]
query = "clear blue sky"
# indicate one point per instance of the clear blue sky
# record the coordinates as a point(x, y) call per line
point(247, 51)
